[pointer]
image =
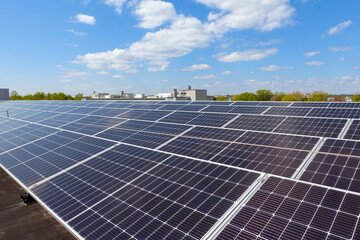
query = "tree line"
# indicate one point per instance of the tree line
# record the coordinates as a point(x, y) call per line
point(267, 95)
point(45, 96)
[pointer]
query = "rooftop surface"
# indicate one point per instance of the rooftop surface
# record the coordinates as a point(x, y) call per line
point(21, 221)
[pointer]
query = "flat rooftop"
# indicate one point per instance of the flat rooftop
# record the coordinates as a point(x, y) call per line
point(21, 221)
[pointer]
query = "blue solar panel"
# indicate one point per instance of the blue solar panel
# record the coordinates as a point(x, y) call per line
point(187, 170)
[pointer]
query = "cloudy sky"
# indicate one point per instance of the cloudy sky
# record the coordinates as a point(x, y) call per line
point(151, 46)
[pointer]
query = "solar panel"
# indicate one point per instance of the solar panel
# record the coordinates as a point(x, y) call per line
point(310, 104)
point(279, 140)
point(249, 110)
point(180, 117)
point(218, 109)
point(288, 111)
point(335, 113)
point(278, 161)
point(335, 171)
point(353, 131)
point(285, 209)
point(322, 127)
point(254, 122)
point(189, 170)
point(212, 119)
point(130, 186)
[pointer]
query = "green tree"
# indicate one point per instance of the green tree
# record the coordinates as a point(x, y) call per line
point(318, 96)
point(79, 96)
point(39, 96)
point(278, 96)
point(15, 96)
point(222, 98)
point(295, 96)
point(264, 95)
point(356, 97)
point(246, 96)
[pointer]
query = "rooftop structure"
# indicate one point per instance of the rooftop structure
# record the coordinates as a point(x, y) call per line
point(189, 169)
point(4, 94)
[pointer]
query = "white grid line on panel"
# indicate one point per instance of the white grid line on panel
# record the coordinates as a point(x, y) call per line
point(235, 208)
point(279, 124)
point(345, 129)
point(175, 137)
point(230, 121)
point(73, 166)
point(265, 111)
point(300, 170)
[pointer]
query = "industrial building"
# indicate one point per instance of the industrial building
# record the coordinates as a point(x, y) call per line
point(4, 94)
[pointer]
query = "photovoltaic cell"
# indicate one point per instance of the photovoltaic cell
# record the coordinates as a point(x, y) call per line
point(197, 148)
point(321, 127)
point(285, 209)
point(279, 140)
point(278, 161)
point(218, 109)
point(337, 146)
point(253, 122)
point(248, 110)
point(310, 104)
point(335, 171)
point(170, 200)
point(180, 117)
point(335, 113)
point(288, 111)
point(214, 133)
point(212, 119)
point(353, 131)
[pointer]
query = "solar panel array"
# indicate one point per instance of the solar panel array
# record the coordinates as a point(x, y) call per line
point(189, 170)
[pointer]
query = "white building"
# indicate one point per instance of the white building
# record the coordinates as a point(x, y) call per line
point(95, 95)
point(164, 95)
point(139, 95)
point(194, 94)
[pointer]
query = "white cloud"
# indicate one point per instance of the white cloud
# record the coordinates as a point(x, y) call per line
point(342, 59)
point(211, 76)
point(338, 28)
point(154, 13)
point(196, 67)
point(75, 32)
point(226, 73)
point(118, 76)
point(248, 14)
point(315, 63)
point(339, 49)
point(115, 3)
point(311, 54)
point(273, 68)
point(270, 42)
point(253, 82)
point(356, 68)
point(248, 55)
point(83, 18)
point(184, 34)
point(102, 73)
point(157, 69)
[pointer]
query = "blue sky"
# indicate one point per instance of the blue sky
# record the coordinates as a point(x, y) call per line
point(151, 46)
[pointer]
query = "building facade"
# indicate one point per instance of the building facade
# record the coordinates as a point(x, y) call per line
point(4, 94)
